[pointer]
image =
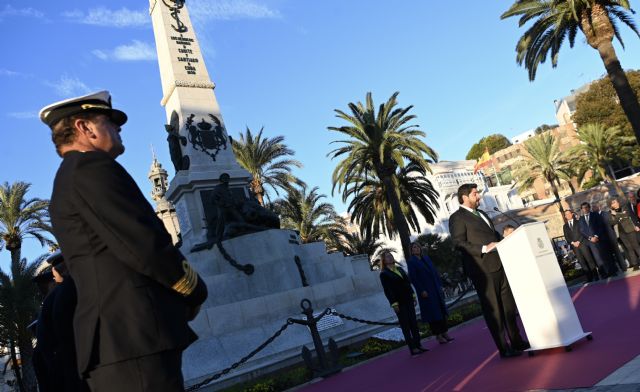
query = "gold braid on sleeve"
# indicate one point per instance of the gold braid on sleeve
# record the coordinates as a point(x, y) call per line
point(188, 282)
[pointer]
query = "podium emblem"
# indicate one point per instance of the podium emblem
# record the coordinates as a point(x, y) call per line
point(540, 243)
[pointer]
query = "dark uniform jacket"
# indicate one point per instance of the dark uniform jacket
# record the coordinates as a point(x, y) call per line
point(625, 219)
point(469, 233)
point(397, 288)
point(123, 263)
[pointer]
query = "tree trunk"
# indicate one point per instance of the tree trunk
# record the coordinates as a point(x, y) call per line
point(26, 365)
point(611, 179)
point(554, 188)
point(398, 217)
point(628, 99)
point(258, 190)
point(14, 365)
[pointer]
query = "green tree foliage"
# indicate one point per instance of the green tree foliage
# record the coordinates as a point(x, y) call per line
point(302, 210)
point(267, 160)
point(544, 128)
point(369, 206)
point(377, 144)
point(599, 147)
point(543, 159)
point(597, 20)
point(495, 142)
point(442, 252)
point(21, 218)
point(600, 105)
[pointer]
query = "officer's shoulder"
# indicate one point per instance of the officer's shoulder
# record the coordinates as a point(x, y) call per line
point(88, 161)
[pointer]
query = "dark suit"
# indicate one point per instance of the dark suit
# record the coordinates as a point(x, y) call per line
point(124, 266)
point(397, 289)
point(470, 233)
point(572, 234)
point(594, 227)
point(626, 222)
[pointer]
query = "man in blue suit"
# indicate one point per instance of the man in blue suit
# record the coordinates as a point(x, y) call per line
point(594, 235)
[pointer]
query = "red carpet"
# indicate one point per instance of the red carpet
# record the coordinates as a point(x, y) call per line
point(471, 362)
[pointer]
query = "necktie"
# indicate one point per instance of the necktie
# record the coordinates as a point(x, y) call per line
point(586, 217)
point(476, 213)
point(571, 224)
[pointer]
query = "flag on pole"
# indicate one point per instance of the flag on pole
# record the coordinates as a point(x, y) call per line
point(483, 161)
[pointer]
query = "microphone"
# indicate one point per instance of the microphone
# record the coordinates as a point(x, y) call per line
point(508, 217)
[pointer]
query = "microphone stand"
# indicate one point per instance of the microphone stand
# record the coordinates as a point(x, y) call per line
point(508, 217)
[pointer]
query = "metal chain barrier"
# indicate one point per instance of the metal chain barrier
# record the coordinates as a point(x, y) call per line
point(246, 268)
point(290, 321)
point(244, 359)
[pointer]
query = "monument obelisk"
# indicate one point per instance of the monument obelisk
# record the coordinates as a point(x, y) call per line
point(199, 145)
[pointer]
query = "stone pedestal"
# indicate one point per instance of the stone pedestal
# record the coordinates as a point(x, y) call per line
point(242, 311)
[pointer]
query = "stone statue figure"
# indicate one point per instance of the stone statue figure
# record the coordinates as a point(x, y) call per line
point(174, 140)
point(235, 216)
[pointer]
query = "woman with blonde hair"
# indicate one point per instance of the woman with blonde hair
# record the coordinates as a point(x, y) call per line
point(397, 289)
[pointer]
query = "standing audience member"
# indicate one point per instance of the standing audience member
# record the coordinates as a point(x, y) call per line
point(614, 248)
point(43, 350)
point(572, 234)
point(136, 292)
point(397, 289)
point(475, 236)
point(593, 233)
point(426, 281)
point(627, 225)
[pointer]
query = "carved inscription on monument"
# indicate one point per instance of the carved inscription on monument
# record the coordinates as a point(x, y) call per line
point(185, 52)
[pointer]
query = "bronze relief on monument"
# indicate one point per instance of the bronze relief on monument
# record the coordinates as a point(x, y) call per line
point(205, 136)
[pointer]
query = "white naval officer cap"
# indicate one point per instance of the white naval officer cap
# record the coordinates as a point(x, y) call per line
point(95, 102)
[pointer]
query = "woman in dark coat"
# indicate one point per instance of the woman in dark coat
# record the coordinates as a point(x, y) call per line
point(397, 289)
point(426, 280)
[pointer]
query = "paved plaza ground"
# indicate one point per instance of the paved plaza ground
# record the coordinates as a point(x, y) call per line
point(611, 362)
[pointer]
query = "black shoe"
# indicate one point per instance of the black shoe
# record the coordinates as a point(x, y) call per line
point(424, 350)
point(510, 353)
point(636, 267)
point(415, 352)
point(524, 345)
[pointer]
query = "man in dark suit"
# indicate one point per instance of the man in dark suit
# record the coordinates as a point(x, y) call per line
point(474, 235)
point(135, 290)
point(628, 225)
point(572, 234)
point(592, 230)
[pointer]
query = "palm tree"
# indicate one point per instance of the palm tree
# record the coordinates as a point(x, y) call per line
point(266, 160)
point(599, 147)
point(19, 303)
point(543, 159)
point(559, 19)
point(377, 145)
point(356, 244)
point(21, 218)
point(303, 211)
point(371, 210)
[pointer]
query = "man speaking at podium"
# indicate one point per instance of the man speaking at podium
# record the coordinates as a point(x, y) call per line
point(475, 236)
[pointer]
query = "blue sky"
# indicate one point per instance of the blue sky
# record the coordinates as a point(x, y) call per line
point(282, 64)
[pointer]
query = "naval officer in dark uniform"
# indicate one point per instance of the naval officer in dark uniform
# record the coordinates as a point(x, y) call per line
point(135, 290)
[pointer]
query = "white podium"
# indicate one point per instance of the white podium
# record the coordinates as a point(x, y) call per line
point(547, 312)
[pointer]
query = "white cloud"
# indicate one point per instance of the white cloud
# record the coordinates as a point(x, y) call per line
point(69, 87)
point(102, 16)
point(136, 51)
point(23, 115)
point(8, 72)
point(9, 10)
point(205, 10)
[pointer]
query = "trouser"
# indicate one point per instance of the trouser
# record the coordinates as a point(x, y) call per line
point(586, 261)
point(409, 325)
point(498, 308)
point(159, 372)
point(599, 253)
point(439, 326)
point(631, 247)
